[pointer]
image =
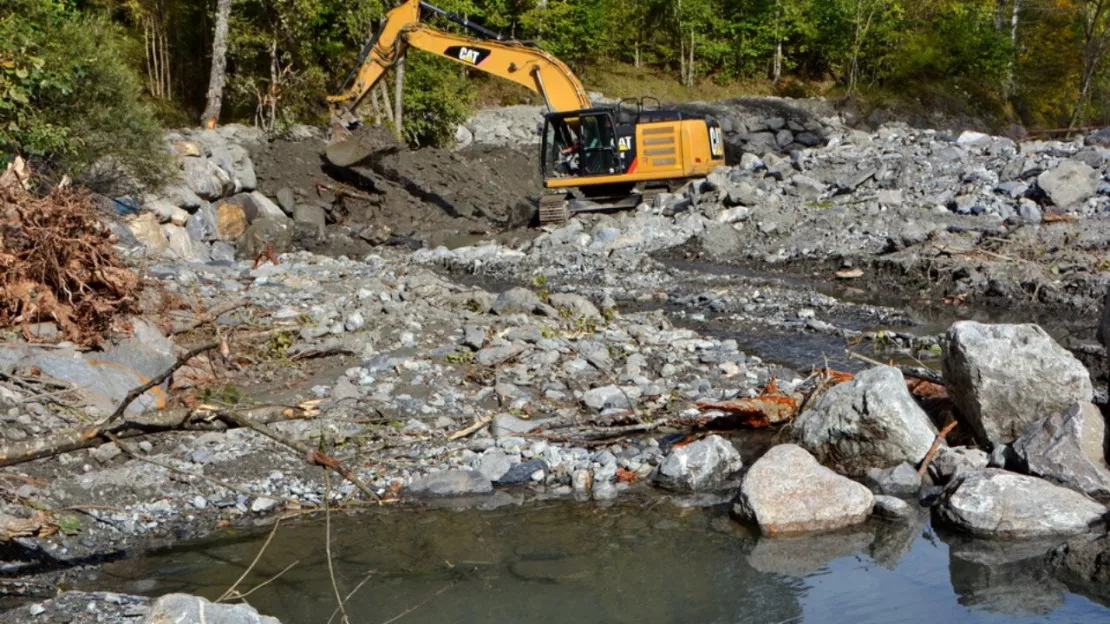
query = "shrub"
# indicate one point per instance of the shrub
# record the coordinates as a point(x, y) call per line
point(68, 99)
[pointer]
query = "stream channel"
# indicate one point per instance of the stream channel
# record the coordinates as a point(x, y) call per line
point(648, 558)
point(648, 561)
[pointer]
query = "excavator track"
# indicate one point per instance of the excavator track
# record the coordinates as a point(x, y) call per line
point(554, 209)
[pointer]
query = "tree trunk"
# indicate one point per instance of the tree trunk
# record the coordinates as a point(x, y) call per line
point(398, 106)
point(219, 66)
point(690, 63)
point(387, 106)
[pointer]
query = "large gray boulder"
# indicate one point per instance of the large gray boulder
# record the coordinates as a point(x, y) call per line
point(1069, 183)
point(999, 504)
point(869, 422)
point(702, 465)
point(787, 491)
point(721, 241)
point(186, 608)
point(1068, 448)
point(1006, 377)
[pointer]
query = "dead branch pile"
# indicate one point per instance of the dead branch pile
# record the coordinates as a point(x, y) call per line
point(57, 263)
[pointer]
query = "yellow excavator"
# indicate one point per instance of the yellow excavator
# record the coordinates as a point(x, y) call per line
point(600, 153)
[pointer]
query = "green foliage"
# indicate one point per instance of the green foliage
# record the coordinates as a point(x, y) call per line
point(437, 98)
point(67, 97)
point(69, 525)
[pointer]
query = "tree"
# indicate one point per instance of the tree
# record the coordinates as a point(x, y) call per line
point(68, 99)
point(219, 66)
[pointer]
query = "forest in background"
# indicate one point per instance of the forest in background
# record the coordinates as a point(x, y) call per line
point(85, 79)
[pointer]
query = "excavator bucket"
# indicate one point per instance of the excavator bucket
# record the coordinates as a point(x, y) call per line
point(350, 147)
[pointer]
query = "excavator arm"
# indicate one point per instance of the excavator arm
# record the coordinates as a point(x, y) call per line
point(517, 61)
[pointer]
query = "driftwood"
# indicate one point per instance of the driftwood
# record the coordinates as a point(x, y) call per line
point(69, 440)
point(210, 317)
point(935, 447)
point(917, 372)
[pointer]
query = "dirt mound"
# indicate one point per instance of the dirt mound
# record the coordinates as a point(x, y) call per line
point(397, 195)
point(57, 263)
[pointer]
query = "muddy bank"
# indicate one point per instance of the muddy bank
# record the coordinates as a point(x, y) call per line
point(400, 196)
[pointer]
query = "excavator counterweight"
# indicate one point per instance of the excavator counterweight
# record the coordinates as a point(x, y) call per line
point(590, 151)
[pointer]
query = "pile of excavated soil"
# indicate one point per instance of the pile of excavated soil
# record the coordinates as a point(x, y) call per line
point(399, 195)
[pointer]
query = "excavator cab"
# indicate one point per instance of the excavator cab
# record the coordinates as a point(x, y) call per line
point(582, 143)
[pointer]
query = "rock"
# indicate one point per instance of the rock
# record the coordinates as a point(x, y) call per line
point(493, 464)
point(182, 246)
point(266, 234)
point(950, 463)
point(516, 301)
point(892, 508)
point(901, 480)
point(313, 218)
point(702, 465)
point(1083, 562)
point(204, 178)
point(508, 425)
point(522, 473)
point(265, 208)
point(474, 337)
point(998, 504)
point(231, 221)
point(376, 234)
point(354, 321)
point(148, 231)
point(1029, 211)
point(492, 356)
point(1068, 448)
point(1069, 183)
point(450, 483)
point(262, 504)
point(721, 241)
point(575, 305)
point(607, 397)
point(187, 148)
point(787, 491)
point(732, 215)
point(202, 224)
point(106, 452)
point(869, 422)
point(287, 201)
point(1006, 377)
point(186, 608)
point(223, 253)
point(889, 197)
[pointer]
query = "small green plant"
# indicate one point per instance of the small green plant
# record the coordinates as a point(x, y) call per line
point(69, 525)
point(277, 349)
point(586, 325)
point(227, 394)
point(459, 357)
point(548, 332)
point(539, 279)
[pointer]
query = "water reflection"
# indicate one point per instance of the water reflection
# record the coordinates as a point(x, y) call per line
point(567, 562)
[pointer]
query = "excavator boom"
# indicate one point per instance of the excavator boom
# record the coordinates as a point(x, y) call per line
point(517, 61)
point(597, 152)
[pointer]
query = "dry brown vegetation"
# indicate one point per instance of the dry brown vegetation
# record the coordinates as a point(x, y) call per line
point(57, 262)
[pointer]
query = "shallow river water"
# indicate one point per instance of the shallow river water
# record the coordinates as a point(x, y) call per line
point(638, 562)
